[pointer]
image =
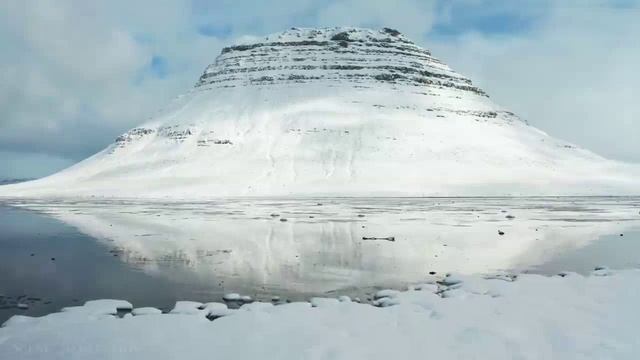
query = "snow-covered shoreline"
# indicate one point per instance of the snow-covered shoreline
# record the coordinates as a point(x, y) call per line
point(461, 317)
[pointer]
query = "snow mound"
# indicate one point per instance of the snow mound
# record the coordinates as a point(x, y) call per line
point(215, 310)
point(188, 308)
point(101, 307)
point(146, 311)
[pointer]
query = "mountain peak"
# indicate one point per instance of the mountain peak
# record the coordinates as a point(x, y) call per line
point(346, 55)
point(342, 33)
point(334, 112)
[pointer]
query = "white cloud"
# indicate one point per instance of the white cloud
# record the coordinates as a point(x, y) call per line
point(414, 17)
point(573, 75)
point(76, 72)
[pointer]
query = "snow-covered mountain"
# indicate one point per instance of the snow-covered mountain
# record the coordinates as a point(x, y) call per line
point(334, 111)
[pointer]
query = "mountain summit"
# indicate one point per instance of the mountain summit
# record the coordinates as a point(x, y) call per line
point(338, 112)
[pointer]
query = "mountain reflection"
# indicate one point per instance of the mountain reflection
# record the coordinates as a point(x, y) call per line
point(312, 246)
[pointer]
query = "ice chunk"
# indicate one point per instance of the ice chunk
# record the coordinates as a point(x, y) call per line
point(188, 308)
point(386, 293)
point(232, 297)
point(215, 310)
point(146, 311)
point(602, 271)
point(100, 307)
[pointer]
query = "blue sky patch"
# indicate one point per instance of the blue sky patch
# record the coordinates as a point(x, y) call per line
point(159, 66)
point(213, 30)
point(489, 24)
point(487, 17)
point(625, 4)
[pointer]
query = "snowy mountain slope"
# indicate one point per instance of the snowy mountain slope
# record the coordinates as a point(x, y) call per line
point(338, 111)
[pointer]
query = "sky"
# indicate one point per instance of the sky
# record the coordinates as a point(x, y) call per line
point(75, 74)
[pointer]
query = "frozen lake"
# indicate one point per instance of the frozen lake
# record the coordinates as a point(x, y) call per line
point(56, 254)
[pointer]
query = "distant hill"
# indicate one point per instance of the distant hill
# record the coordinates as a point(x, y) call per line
point(13, 181)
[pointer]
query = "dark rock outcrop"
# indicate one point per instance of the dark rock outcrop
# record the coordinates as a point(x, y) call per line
point(345, 55)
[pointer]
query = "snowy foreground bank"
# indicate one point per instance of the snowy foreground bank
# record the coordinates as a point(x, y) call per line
point(504, 317)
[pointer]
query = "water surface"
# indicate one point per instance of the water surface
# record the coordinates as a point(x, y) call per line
point(62, 253)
